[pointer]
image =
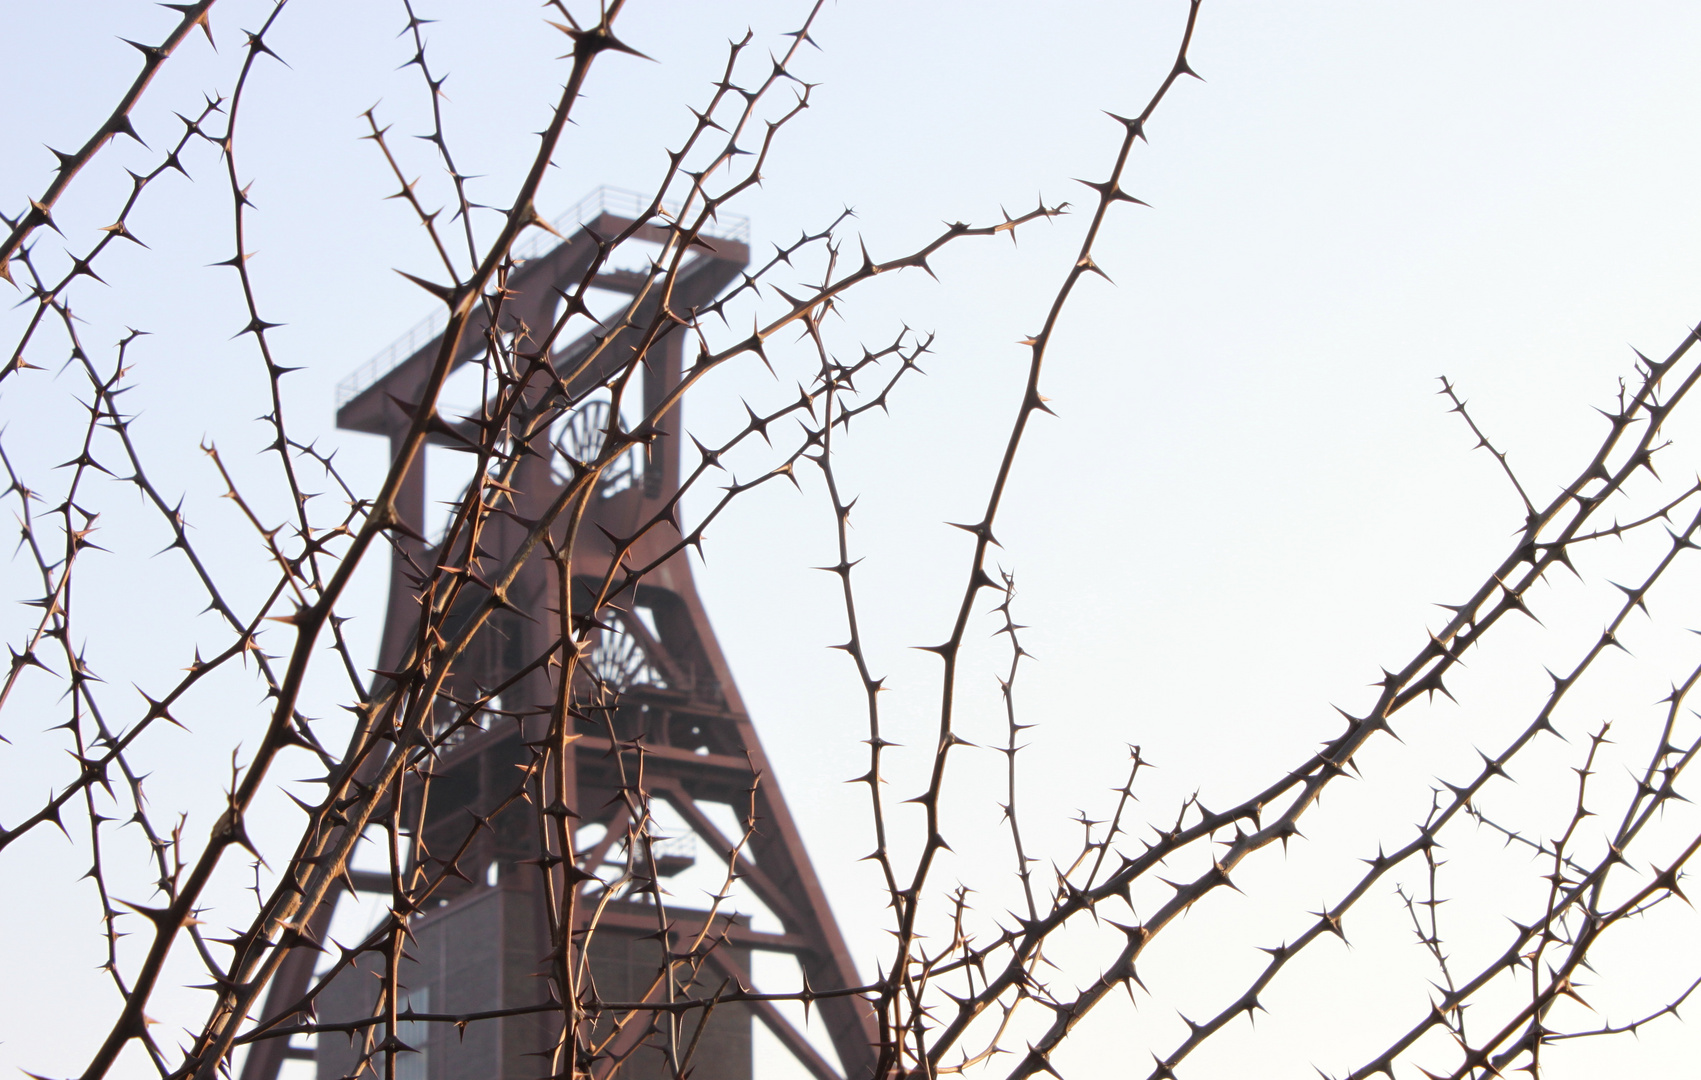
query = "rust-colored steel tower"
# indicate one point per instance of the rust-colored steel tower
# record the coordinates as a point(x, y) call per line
point(482, 947)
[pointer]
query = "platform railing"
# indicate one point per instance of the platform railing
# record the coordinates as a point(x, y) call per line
point(604, 199)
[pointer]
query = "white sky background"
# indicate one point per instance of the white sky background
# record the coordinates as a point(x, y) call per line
point(1248, 501)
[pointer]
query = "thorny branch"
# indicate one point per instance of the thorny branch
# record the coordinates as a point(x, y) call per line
point(957, 987)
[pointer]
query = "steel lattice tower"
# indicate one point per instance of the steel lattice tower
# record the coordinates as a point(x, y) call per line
point(482, 948)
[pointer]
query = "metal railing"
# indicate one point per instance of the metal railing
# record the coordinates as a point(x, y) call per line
point(605, 199)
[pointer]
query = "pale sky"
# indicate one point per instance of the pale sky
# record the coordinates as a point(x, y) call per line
point(1248, 502)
